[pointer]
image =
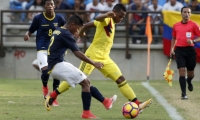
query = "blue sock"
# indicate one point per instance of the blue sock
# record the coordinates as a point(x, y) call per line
point(86, 99)
point(56, 83)
point(96, 94)
point(45, 77)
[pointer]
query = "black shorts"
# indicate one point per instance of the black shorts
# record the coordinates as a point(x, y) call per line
point(186, 57)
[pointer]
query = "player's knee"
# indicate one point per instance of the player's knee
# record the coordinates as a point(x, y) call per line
point(44, 68)
point(120, 80)
point(191, 76)
point(85, 84)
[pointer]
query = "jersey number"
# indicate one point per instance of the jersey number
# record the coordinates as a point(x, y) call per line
point(52, 40)
point(50, 32)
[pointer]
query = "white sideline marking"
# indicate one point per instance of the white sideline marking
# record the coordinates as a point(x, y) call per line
point(170, 109)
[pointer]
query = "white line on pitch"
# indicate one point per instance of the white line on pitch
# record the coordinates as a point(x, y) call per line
point(170, 109)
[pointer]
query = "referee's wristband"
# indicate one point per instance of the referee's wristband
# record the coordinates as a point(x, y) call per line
point(194, 41)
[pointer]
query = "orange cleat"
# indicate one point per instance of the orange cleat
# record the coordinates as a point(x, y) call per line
point(88, 115)
point(45, 91)
point(108, 102)
point(55, 103)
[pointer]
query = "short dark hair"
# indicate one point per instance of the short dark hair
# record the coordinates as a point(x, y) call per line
point(76, 19)
point(44, 1)
point(185, 7)
point(119, 7)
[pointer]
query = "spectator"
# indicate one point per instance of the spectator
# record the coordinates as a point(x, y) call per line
point(156, 18)
point(137, 19)
point(78, 6)
point(194, 5)
point(18, 5)
point(71, 2)
point(95, 7)
point(109, 4)
point(37, 5)
point(145, 3)
point(182, 1)
point(173, 5)
point(61, 5)
point(102, 1)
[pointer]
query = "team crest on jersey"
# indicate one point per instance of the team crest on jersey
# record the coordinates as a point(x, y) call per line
point(108, 29)
point(88, 67)
point(55, 24)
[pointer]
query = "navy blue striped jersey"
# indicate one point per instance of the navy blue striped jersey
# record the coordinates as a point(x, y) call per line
point(45, 27)
point(61, 40)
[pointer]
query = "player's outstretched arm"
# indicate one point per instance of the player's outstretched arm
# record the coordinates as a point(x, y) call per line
point(85, 27)
point(101, 17)
point(82, 56)
point(27, 36)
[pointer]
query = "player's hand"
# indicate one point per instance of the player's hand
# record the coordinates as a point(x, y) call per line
point(26, 37)
point(98, 65)
point(190, 41)
point(110, 14)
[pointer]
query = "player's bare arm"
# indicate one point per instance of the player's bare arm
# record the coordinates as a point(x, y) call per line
point(85, 27)
point(173, 45)
point(101, 17)
point(27, 36)
point(82, 56)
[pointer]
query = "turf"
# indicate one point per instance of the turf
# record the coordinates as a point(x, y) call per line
point(22, 100)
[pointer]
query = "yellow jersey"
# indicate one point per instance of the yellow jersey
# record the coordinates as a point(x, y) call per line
point(103, 39)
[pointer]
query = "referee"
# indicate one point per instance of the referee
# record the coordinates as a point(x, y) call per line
point(184, 35)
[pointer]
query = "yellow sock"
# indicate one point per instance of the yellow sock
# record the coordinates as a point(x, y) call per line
point(126, 90)
point(64, 86)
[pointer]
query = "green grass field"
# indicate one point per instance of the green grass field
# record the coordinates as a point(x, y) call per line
point(22, 100)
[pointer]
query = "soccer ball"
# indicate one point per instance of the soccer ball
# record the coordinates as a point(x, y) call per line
point(130, 110)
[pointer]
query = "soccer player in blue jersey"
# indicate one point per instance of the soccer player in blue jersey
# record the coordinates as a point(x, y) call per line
point(99, 50)
point(45, 23)
point(63, 39)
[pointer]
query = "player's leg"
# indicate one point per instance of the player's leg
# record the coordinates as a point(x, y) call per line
point(53, 95)
point(55, 85)
point(86, 99)
point(107, 102)
point(43, 65)
point(42, 62)
point(35, 64)
point(73, 76)
point(112, 71)
point(190, 65)
point(181, 64)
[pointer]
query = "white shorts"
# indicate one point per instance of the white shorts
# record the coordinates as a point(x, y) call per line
point(35, 62)
point(42, 58)
point(66, 71)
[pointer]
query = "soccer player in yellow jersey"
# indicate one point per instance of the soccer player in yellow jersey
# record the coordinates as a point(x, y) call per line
point(100, 48)
point(99, 51)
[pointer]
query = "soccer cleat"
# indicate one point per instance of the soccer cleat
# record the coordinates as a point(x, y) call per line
point(88, 115)
point(190, 87)
point(45, 91)
point(108, 102)
point(145, 104)
point(184, 97)
point(48, 103)
point(55, 103)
